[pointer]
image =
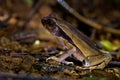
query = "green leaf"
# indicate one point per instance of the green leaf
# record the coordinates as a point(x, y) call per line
point(29, 2)
point(107, 45)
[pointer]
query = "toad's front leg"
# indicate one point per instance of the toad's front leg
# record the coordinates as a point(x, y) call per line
point(70, 50)
point(63, 56)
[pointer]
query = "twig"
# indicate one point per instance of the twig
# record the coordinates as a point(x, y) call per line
point(114, 63)
point(92, 36)
point(88, 22)
point(25, 76)
point(31, 14)
point(24, 37)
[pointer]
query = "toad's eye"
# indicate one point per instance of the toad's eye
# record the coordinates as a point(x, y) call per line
point(47, 21)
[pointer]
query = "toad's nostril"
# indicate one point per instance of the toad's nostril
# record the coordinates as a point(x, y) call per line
point(44, 20)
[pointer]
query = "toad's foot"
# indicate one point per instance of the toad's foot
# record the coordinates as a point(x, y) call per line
point(53, 58)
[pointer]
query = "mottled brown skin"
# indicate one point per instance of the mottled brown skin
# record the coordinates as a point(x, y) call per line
point(78, 42)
